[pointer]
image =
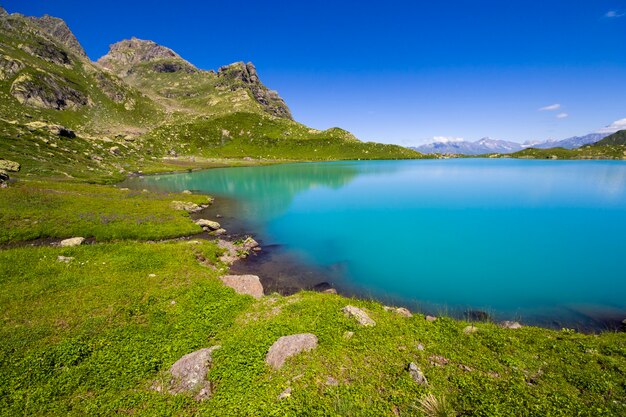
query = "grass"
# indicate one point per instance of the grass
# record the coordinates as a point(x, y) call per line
point(36, 209)
point(609, 151)
point(91, 336)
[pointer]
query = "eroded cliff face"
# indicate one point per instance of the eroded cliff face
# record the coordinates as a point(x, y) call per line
point(247, 75)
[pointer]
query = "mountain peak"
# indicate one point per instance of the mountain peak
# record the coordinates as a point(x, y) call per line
point(124, 55)
point(58, 29)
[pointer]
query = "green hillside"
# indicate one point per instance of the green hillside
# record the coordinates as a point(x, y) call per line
point(617, 138)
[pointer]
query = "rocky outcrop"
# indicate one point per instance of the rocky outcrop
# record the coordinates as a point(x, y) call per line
point(10, 166)
point(244, 284)
point(189, 373)
point(58, 30)
point(245, 75)
point(124, 55)
point(47, 91)
point(48, 52)
point(288, 346)
point(359, 315)
point(9, 67)
point(52, 128)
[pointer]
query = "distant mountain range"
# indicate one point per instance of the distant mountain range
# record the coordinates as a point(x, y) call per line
point(488, 145)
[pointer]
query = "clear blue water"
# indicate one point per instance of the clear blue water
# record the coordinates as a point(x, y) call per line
point(540, 241)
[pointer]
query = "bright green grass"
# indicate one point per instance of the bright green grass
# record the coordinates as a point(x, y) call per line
point(91, 337)
point(34, 209)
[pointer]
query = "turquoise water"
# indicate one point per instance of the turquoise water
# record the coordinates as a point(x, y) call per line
point(540, 241)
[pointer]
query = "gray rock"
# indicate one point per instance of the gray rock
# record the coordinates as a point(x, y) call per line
point(115, 150)
point(417, 374)
point(431, 318)
point(189, 373)
point(420, 346)
point(288, 346)
point(220, 232)
point(510, 325)
point(208, 223)
point(47, 91)
point(361, 316)
point(74, 241)
point(9, 67)
point(66, 259)
point(399, 310)
point(244, 284)
point(285, 394)
point(187, 206)
point(250, 243)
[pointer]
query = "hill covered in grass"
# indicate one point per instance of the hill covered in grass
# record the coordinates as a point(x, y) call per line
point(617, 138)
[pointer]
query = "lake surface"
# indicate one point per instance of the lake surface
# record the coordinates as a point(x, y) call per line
point(543, 242)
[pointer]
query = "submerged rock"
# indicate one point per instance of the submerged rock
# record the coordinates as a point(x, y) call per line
point(189, 373)
point(74, 241)
point(244, 284)
point(361, 316)
point(288, 346)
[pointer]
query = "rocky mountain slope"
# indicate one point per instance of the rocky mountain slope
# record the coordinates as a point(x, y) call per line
point(141, 103)
point(569, 143)
point(617, 138)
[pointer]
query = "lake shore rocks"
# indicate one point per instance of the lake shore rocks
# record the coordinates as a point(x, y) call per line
point(208, 224)
point(244, 284)
point(510, 325)
point(288, 346)
point(359, 315)
point(399, 310)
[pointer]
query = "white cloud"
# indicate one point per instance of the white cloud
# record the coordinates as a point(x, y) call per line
point(562, 115)
point(614, 127)
point(446, 139)
point(551, 107)
point(613, 13)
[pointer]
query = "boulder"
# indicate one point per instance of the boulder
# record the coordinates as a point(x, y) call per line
point(220, 232)
point(431, 318)
point(470, 329)
point(244, 284)
point(189, 373)
point(208, 223)
point(9, 166)
point(74, 241)
point(288, 346)
point(250, 243)
point(510, 325)
point(417, 374)
point(399, 310)
point(361, 316)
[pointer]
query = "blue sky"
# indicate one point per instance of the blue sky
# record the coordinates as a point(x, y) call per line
point(393, 71)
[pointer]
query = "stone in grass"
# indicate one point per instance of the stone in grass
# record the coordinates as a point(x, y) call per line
point(361, 316)
point(288, 346)
point(285, 394)
point(399, 310)
point(470, 329)
point(189, 373)
point(210, 224)
point(417, 374)
point(510, 325)
point(187, 206)
point(9, 166)
point(244, 284)
point(65, 259)
point(431, 318)
point(74, 241)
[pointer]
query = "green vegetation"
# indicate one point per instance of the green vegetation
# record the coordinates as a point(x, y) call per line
point(31, 210)
point(617, 138)
point(94, 332)
point(584, 152)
